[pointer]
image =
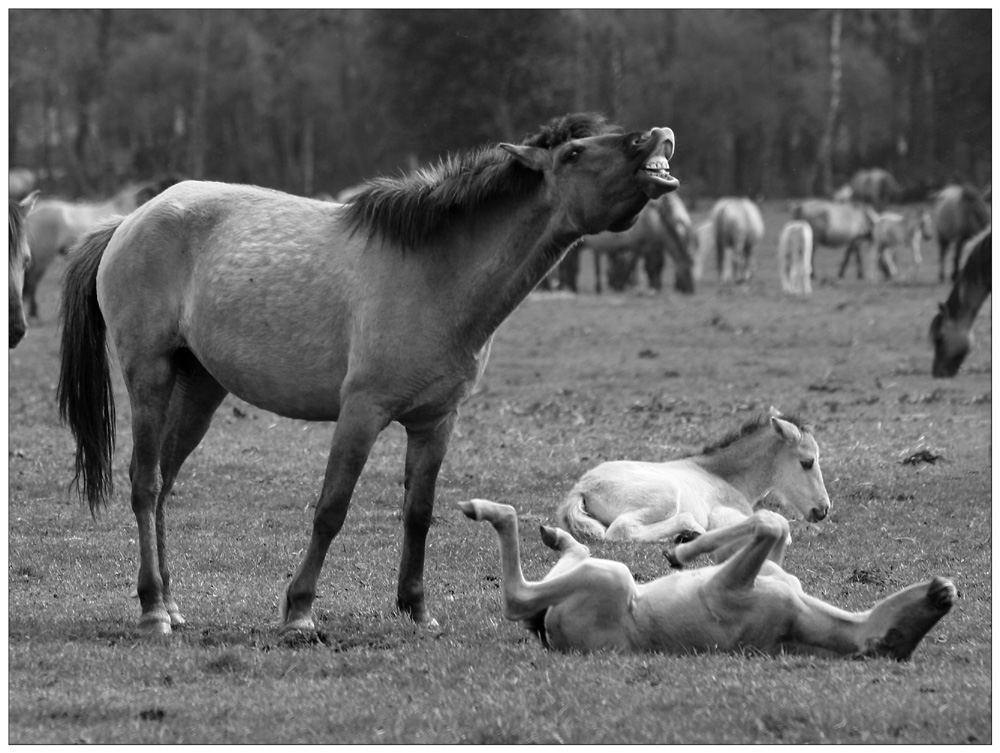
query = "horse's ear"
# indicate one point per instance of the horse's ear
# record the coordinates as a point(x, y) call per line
point(532, 157)
point(772, 412)
point(28, 202)
point(786, 430)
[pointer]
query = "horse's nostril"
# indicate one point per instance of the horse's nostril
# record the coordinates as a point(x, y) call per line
point(817, 515)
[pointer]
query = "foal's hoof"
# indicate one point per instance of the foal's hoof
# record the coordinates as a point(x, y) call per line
point(153, 627)
point(671, 556)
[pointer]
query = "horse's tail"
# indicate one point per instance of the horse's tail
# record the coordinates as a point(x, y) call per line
point(86, 398)
point(573, 516)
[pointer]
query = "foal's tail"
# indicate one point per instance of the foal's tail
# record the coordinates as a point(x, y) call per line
point(86, 398)
point(572, 514)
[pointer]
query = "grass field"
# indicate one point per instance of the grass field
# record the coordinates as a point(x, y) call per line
point(572, 382)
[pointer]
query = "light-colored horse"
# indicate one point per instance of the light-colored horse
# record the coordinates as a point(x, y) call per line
point(951, 328)
point(835, 224)
point(18, 258)
point(893, 231)
point(379, 310)
point(748, 602)
point(738, 227)
point(795, 250)
point(959, 213)
point(55, 225)
point(702, 248)
point(680, 500)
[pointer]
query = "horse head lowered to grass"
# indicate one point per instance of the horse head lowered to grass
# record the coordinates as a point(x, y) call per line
point(375, 311)
point(951, 327)
point(18, 261)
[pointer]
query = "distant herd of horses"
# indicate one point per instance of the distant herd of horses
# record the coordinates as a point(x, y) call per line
point(383, 309)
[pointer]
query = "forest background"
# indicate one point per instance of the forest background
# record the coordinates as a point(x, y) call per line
point(764, 102)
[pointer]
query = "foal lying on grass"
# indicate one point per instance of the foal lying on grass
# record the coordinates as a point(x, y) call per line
point(747, 602)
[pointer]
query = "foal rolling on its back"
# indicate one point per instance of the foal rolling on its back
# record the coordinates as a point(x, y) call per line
point(375, 311)
point(680, 500)
point(748, 602)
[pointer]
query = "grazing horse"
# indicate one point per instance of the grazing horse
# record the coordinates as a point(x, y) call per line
point(18, 258)
point(748, 601)
point(680, 500)
point(835, 224)
point(738, 228)
point(662, 229)
point(959, 213)
point(951, 328)
point(55, 225)
point(364, 313)
point(893, 230)
point(795, 250)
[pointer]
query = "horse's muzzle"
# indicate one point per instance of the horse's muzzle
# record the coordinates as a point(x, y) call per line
point(817, 514)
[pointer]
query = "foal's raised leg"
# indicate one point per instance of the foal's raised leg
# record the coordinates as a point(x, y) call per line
point(722, 541)
point(358, 427)
point(196, 396)
point(425, 451)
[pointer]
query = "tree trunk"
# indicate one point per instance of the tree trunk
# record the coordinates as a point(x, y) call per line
point(824, 159)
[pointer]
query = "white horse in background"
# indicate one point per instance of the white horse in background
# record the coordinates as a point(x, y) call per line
point(680, 500)
point(739, 227)
point(795, 250)
point(747, 602)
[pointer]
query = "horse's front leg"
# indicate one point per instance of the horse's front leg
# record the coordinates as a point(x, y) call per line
point(358, 427)
point(425, 451)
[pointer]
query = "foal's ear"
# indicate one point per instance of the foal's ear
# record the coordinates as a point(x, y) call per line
point(786, 430)
point(532, 157)
point(28, 202)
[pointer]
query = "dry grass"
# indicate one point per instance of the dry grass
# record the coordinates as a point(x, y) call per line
point(572, 382)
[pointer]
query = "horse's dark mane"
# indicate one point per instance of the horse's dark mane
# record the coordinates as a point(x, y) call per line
point(977, 271)
point(409, 210)
point(15, 229)
point(752, 427)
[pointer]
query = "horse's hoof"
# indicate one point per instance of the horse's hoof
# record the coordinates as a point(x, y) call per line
point(942, 594)
point(295, 638)
point(671, 556)
point(154, 627)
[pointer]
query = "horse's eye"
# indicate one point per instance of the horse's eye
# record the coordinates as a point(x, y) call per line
point(807, 464)
point(572, 154)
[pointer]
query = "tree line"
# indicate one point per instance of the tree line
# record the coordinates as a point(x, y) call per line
point(315, 100)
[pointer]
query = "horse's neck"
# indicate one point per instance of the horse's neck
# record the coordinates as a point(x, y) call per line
point(972, 287)
point(746, 464)
point(498, 261)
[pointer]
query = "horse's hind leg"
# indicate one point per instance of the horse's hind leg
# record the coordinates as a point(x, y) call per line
point(425, 451)
point(150, 383)
point(195, 397)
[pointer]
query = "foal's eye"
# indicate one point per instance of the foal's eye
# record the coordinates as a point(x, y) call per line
point(807, 464)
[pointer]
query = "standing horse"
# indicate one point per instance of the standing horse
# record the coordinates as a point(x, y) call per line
point(893, 230)
point(835, 224)
point(959, 213)
point(55, 225)
point(365, 313)
point(18, 258)
point(875, 186)
point(795, 250)
point(587, 604)
point(738, 228)
point(680, 500)
point(951, 328)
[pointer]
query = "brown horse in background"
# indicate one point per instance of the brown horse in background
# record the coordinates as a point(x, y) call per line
point(959, 213)
point(364, 313)
point(951, 328)
point(875, 186)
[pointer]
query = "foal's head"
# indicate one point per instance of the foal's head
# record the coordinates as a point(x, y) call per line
point(19, 256)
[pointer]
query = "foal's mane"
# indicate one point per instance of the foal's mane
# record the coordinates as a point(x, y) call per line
point(412, 209)
point(750, 428)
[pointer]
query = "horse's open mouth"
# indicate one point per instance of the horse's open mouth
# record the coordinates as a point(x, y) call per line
point(658, 171)
point(655, 168)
